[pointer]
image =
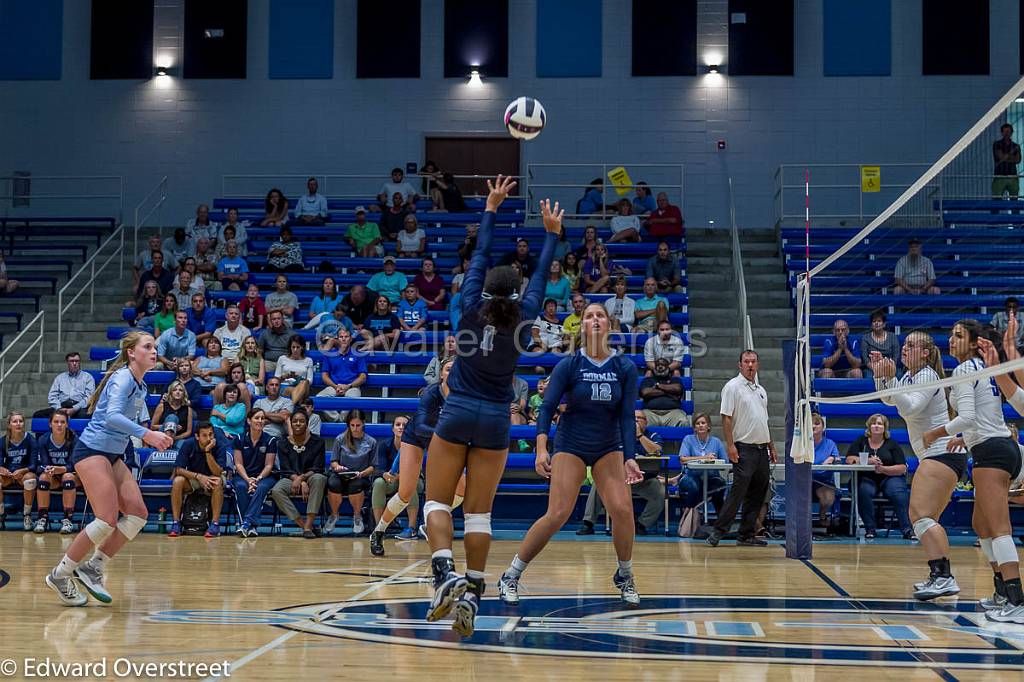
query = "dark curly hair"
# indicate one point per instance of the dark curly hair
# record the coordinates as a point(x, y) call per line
point(502, 311)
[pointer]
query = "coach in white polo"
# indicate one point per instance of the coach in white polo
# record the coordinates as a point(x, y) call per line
point(749, 445)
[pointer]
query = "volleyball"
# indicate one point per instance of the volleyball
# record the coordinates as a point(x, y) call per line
point(525, 118)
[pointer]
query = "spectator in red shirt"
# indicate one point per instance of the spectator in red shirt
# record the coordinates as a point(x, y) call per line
point(254, 313)
point(666, 220)
point(430, 285)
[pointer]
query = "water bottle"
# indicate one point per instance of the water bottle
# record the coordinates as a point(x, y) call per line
point(163, 520)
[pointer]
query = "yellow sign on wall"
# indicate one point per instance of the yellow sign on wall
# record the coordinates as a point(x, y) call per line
point(870, 178)
point(621, 181)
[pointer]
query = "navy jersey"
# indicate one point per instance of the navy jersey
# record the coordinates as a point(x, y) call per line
point(486, 358)
point(49, 453)
point(14, 456)
point(254, 455)
point(427, 412)
point(601, 400)
point(192, 458)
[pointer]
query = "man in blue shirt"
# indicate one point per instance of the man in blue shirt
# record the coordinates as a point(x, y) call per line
point(198, 469)
point(311, 209)
point(412, 311)
point(651, 309)
point(389, 283)
point(202, 321)
point(175, 343)
point(232, 269)
point(344, 372)
point(664, 268)
point(842, 354)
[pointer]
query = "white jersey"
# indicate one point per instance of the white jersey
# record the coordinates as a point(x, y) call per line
point(979, 410)
point(922, 410)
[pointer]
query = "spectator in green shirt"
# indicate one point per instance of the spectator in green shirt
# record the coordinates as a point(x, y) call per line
point(364, 237)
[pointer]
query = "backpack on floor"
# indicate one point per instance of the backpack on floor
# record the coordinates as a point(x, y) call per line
point(195, 514)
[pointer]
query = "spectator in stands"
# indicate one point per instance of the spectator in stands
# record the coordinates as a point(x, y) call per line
point(625, 226)
point(360, 304)
point(311, 208)
point(211, 368)
point(147, 305)
point(398, 185)
point(327, 300)
point(275, 209)
point(277, 407)
point(273, 342)
point(889, 476)
point(70, 390)
point(878, 339)
point(232, 269)
point(412, 310)
point(343, 374)
point(662, 395)
point(527, 261)
point(255, 456)
point(667, 345)
point(174, 414)
point(562, 246)
point(432, 374)
point(201, 226)
point(536, 400)
point(700, 446)
point(558, 287)
point(330, 325)
point(460, 274)
point(451, 195)
point(842, 354)
point(664, 268)
point(412, 240)
point(651, 489)
point(571, 324)
point(144, 259)
point(392, 219)
point(517, 408)
point(548, 332)
point(285, 254)
point(389, 283)
point(593, 198)
point(651, 309)
point(295, 370)
point(351, 471)
point(621, 308)
point(364, 237)
point(177, 342)
point(253, 311)
point(183, 290)
point(232, 334)
point(596, 271)
point(823, 482)
point(302, 472)
point(227, 234)
point(1002, 319)
point(158, 273)
point(571, 270)
point(236, 377)
point(229, 416)
point(199, 468)
point(206, 263)
point(665, 220)
point(251, 359)
point(283, 301)
point(183, 373)
point(382, 328)
point(523, 281)
point(428, 186)
point(315, 423)
point(915, 273)
point(466, 248)
point(1006, 155)
point(644, 203)
point(233, 229)
point(198, 285)
point(202, 321)
point(589, 243)
point(164, 319)
point(430, 285)
point(179, 246)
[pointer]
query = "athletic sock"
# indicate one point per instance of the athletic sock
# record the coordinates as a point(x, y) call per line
point(997, 580)
point(100, 559)
point(381, 526)
point(44, 513)
point(26, 509)
point(626, 567)
point(66, 567)
point(68, 513)
point(442, 554)
point(1013, 591)
point(516, 568)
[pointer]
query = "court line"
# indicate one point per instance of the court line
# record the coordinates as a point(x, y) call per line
point(828, 581)
point(273, 644)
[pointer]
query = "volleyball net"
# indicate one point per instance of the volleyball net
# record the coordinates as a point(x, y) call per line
point(949, 247)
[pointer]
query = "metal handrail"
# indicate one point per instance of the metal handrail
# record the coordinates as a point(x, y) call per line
point(737, 267)
point(11, 196)
point(605, 214)
point(324, 179)
point(91, 283)
point(5, 371)
point(162, 187)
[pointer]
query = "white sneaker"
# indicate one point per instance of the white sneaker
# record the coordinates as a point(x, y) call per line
point(329, 525)
point(508, 589)
point(67, 527)
point(937, 586)
point(40, 525)
point(1007, 614)
point(26, 521)
point(92, 578)
point(357, 525)
point(996, 601)
point(67, 590)
point(627, 588)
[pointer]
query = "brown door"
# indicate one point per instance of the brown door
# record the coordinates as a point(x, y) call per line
point(486, 156)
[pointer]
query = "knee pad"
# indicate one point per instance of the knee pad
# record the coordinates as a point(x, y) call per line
point(69, 484)
point(30, 483)
point(986, 549)
point(431, 506)
point(130, 526)
point(396, 505)
point(457, 502)
point(98, 531)
point(922, 526)
point(43, 485)
point(1004, 551)
point(477, 523)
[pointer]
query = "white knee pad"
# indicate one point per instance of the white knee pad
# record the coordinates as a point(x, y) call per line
point(30, 483)
point(986, 549)
point(1004, 551)
point(98, 531)
point(431, 506)
point(457, 502)
point(396, 505)
point(478, 523)
point(130, 526)
point(922, 526)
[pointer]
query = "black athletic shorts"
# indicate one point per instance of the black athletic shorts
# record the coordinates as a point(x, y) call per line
point(997, 453)
point(957, 461)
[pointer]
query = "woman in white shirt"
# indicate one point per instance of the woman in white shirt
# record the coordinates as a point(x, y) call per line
point(412, 241)
point(548, 334)
point(295, 370)
point(625, 226)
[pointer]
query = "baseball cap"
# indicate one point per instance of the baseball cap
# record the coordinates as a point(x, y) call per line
point(360, 209)
point(389, 259)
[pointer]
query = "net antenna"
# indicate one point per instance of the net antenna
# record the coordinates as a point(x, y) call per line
point(803, 445)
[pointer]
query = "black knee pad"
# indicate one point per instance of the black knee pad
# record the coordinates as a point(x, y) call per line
point(43, 484)
point(68, 484)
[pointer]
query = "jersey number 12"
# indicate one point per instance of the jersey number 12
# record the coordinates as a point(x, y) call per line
point(601, 392)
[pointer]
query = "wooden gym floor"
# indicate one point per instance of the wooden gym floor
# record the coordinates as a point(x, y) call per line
point(281, 608)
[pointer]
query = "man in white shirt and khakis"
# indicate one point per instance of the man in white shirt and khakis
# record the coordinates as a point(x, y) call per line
point(749, 445)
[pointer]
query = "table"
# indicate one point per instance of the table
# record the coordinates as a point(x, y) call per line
point(853, 469)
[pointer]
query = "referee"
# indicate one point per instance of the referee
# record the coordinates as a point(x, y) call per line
point(749, 445)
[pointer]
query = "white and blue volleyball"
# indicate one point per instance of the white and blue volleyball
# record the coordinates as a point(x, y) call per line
point(525, 118)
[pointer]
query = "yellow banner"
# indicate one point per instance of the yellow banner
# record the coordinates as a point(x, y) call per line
point(870, 178)
point(621, 181)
